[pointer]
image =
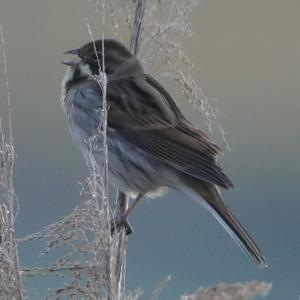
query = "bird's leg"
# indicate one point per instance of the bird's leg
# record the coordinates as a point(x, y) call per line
point(122, 203)
point(138, 198)
point(121, 219)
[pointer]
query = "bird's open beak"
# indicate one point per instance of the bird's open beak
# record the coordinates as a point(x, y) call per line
point(71, 63)
point(72, 52)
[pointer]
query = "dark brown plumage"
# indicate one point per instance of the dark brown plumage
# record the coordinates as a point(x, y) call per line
point(151, 144)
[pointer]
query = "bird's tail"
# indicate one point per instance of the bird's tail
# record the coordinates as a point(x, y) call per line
point(214, 202)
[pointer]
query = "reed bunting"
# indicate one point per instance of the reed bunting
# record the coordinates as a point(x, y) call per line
point(151, 145)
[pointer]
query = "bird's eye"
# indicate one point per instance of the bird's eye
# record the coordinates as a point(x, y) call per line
point(92, 58)
point(96, 57)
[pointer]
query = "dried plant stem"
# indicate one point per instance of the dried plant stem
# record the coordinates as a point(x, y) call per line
point(121, 253)
point(137, 25)
point(5, 72)
point(11, 285)
point(122, 199)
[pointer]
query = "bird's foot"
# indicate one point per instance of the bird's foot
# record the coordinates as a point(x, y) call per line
point(121, 222)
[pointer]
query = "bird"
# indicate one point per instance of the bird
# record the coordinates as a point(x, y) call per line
point(151, 145)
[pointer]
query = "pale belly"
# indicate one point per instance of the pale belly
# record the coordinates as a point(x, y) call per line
point(129, 169)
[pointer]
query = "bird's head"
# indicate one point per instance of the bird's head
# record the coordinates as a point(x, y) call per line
point(109, 55)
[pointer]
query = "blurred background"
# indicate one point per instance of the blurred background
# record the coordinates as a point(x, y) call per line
point(247, 57)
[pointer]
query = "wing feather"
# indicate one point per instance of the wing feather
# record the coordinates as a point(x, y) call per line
point(143, 112)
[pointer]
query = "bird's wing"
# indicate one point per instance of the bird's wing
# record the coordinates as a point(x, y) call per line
point(176, 149)
point(144, 113)
point(136, 104)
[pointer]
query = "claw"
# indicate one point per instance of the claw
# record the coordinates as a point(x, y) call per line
point(118, 223)
point(121, 220)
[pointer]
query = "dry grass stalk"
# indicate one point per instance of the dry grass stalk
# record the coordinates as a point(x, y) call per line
point(11, 286)
point(235, 291)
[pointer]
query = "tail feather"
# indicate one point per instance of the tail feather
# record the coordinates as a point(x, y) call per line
point(215, 204)
point(238, 233)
